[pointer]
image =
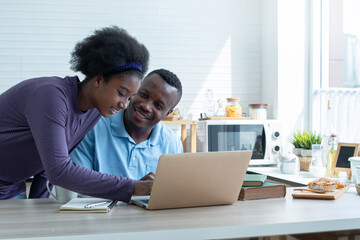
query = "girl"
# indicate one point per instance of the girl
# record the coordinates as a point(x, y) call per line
point(43, 119)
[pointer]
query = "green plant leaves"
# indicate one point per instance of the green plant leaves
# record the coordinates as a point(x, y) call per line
point(305, 139)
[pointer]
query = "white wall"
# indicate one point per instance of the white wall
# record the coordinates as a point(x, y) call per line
point(293, 66)
point(252, 49)
point(269, 60)
point(207, 43)
point(285, 63)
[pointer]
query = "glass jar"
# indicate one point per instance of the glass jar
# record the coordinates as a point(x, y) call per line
point(233, 107)
point(220, 112)
point(258, 111)
point(331, 152)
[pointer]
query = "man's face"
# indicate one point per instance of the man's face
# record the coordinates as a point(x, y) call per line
point(153, 102)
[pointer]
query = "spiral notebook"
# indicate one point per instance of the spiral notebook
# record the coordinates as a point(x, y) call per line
point(88, 205)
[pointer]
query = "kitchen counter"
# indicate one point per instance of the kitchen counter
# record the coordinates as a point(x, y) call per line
point(40, 219)
point(301, 178)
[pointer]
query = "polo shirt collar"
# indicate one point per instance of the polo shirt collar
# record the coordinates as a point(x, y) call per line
point(118, 130)
point(117, 125)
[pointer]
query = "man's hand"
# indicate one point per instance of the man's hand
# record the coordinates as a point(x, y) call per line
point(143, 187)
point(149, 176)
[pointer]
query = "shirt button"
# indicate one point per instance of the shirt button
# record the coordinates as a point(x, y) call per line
point(133, 158)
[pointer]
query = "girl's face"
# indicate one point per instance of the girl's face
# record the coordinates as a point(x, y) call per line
point(115, 94)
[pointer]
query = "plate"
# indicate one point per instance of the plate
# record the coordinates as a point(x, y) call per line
point(327, 195)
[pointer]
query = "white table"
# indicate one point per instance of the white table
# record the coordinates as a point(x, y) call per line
point(40, 219)
point(301, 178)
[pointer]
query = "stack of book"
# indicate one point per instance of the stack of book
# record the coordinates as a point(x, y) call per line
point(255, 186)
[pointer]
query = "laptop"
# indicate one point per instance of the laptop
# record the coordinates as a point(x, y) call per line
point(196, 179)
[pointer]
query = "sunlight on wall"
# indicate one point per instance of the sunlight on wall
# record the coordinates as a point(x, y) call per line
point(291, 65)
point(221, 67)
point(351, 17)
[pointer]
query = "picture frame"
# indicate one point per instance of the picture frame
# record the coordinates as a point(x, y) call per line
point(341, 160)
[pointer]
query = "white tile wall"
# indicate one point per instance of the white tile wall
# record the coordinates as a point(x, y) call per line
point(207, 43)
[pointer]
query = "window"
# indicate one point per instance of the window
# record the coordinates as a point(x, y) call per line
point(336, 71)
point(351, 35)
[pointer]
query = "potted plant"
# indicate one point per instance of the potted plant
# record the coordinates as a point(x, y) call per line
point(308, 139)
point(303, 140)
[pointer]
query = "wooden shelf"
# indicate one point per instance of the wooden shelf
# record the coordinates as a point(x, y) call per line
point(183, 124)
point(226, 118)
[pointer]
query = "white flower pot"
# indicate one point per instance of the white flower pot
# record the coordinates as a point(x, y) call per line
point(297, 151)
point(306, 152)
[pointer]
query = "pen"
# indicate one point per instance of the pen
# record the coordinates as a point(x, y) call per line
point(96, 204)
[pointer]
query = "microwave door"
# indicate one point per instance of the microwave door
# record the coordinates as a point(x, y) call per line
point(238, 137)
point(253, 138)
point(226, 138)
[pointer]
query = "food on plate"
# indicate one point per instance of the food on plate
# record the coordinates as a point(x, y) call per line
point(325, 184)
point(174, 115)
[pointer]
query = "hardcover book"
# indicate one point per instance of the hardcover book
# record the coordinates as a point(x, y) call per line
point(254, 180)
point(267, 190)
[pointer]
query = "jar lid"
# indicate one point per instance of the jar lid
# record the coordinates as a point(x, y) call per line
point(233, 99)
point(257, 105)
point(355, 159)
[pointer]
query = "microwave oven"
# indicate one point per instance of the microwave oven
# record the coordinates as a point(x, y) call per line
point(262, 137)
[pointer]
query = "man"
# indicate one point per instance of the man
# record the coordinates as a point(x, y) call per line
point(129, 143)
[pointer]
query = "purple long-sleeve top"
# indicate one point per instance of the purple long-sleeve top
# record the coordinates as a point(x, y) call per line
point(40, 124)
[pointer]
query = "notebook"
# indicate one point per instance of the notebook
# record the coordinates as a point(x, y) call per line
point(196, 179)
point(88, 204)
point(254, 180)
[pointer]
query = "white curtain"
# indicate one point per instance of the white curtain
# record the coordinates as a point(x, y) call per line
point(337, 111)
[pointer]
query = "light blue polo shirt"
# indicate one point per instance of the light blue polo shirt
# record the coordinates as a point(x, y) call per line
point(108, 148)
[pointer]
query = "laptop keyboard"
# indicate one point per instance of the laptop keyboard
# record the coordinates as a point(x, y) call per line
point(146, 201)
